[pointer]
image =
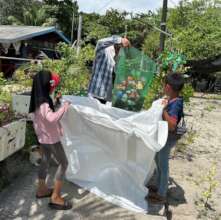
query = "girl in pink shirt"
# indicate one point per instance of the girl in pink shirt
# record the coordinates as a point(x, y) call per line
point(49, 131)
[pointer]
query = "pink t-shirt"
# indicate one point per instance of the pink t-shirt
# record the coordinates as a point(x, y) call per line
point(46, 124)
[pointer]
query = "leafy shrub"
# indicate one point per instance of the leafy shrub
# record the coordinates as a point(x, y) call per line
point(6, 113)
point(22, 77)
point(151, 43)
point(71, 67)
point(208, 184)
point(30, 136)
point(168, 62)
point(155, 91)
point(187, 92)
point(2, 79)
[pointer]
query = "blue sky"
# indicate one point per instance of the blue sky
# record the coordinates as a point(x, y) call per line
point(135, 6)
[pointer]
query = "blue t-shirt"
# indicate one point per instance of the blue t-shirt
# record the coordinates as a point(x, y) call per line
point(175, 108)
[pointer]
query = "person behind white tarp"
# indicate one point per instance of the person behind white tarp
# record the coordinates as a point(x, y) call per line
point(100, 86)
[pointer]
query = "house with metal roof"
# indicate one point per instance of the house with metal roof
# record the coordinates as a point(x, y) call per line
point(20, 43)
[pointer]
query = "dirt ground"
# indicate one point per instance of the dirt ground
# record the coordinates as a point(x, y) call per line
point(197, 154)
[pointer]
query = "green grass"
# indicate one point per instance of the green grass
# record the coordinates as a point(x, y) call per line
point(209, 108)
point(187, 140)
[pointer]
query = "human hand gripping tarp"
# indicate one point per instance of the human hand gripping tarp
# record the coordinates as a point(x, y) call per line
point(111, 151)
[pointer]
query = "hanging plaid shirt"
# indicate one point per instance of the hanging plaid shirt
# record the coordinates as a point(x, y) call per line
point(103, 67)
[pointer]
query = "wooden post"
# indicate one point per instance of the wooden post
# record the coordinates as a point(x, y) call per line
point(163, 25)
point(0, 65)
point(72, 29)
point(125, 33)
point(79, 35)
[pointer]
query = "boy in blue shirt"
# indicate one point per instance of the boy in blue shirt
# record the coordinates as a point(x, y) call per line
point(172, 113)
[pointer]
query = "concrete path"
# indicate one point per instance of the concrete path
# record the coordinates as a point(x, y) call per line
point(18, 202)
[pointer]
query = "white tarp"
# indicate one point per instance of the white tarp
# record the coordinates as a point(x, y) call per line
point(111, 151)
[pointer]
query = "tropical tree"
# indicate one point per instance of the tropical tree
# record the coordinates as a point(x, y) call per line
point(196, 26)
point(151, 44)
point(115, 20)
point(35, 15)
point(12, 7)
point(92, 30)
point(140, 27)
point(63, 11)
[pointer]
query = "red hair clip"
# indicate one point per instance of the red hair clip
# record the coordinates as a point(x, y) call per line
point(54, 82)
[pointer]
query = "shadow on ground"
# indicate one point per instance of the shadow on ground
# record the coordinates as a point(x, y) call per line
point(176, 197)
point(18, 202)
point(176, 194)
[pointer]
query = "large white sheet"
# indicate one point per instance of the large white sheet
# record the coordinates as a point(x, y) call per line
point(111, 151)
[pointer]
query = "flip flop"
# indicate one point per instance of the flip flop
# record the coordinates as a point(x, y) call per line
point(152, 188)
point(156, 199)
point(45, 196)
point(66, 206)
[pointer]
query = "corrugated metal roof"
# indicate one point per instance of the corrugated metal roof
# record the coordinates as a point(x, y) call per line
point(11, 34)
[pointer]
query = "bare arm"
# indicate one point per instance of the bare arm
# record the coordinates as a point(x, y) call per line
point(172, 122)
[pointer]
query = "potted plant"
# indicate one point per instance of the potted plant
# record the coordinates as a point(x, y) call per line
point(21, 97)
point(21, 102)
point(12, 127)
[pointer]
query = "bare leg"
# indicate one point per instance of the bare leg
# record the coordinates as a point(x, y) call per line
point(56, 195)
point(60, 156)
point(43, 170)
point(42, 188)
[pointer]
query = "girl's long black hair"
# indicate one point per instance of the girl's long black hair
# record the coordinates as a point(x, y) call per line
point(41, 91)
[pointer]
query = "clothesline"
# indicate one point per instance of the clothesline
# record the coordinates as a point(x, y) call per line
point(19, 59)
point(154, 27)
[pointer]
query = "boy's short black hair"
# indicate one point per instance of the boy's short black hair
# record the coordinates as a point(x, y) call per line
point(175, 80)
